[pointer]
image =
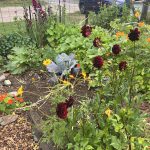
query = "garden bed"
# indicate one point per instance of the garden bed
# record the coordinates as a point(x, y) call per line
point(36, 85)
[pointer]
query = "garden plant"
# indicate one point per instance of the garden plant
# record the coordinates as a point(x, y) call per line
point(108, 57)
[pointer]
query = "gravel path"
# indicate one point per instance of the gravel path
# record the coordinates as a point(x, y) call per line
point(17, 135)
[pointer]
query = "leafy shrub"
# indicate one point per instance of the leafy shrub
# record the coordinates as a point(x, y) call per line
point(108, 14)
point(23, 58)
point(91, 126)
point(117, 65)
point(7, 42)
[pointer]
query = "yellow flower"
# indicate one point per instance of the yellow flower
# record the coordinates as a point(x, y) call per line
point(141, 24)
point(66, 83)
point(84, 75)
point(108, 112)
point(137, 14)
point(119, 34)
point(33, 79)
point(46, 62)
point(148, 40)
point(20, 91)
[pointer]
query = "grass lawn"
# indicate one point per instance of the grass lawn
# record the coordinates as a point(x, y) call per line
point(7, 3)
point(10, 27)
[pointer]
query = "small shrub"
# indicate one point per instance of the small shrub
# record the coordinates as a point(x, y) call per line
point(108, 14)
point(7, 42)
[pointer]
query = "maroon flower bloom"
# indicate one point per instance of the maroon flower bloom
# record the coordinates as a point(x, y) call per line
point(61, 110)
point(122, 65)
point(116, 49)
point(70, 101)
point(86, 30)
point(134, 34)
point(98, 62)
point(36, 5)
point(97, 42)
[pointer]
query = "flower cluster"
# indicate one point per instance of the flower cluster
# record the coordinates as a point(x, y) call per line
point(119, 34)
point(9, 99)
point(62, 108)
point(36, 5)
point(86, 30)
point(134, 34)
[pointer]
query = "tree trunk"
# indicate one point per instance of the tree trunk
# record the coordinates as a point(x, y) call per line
point(144, 10)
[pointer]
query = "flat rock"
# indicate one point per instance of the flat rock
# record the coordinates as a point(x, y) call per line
point(8, 119)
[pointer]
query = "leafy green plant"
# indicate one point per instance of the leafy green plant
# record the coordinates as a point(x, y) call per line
point(7, 42)
point(91, 126)
point(8, 103)
point(108, 14)
point(117, 65)
point(23, 58)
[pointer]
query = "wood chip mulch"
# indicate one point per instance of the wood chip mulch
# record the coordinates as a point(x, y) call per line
point(17, 136)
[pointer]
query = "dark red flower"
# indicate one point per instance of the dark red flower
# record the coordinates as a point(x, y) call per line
point(97, 42)
point(70, 101)
point(122, 65)
point(134, 34)
point(86, 30)
point(61, 110)
point(98, 62)
point(116, 49)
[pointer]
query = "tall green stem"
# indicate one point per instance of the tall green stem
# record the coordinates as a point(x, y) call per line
point(132, 77)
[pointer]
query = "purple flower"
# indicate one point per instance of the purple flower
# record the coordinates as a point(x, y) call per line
point(122, 65)
point(86, 30)
point(61, 110)
point(98, 62)
point(134, 35)
point(116, 49)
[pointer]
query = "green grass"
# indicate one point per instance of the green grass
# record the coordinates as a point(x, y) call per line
point(7, 3)
point(74, 18)
point(10, 27)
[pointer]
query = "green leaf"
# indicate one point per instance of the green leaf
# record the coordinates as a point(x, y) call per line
point(116, 143)
point(89, 147)
point(2, 107)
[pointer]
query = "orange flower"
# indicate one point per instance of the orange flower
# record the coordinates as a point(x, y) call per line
point(137, 14)
point(148, 40)
point(19, 99)
point(141, 24)
point(2, 97)
point(10, 101)
point(78, 65)
point(119, 34)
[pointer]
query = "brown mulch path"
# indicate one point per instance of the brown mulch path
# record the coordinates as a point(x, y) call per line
point(17, 135)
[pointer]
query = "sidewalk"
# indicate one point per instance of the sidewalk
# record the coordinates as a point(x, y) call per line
point(7, 14)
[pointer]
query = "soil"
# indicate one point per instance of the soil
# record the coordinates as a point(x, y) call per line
point(35, 86)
